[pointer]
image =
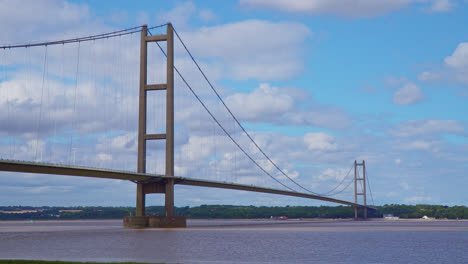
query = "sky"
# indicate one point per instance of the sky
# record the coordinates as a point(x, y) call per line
point(318, 84)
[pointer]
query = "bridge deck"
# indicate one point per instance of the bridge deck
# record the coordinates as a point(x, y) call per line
point(44, 168)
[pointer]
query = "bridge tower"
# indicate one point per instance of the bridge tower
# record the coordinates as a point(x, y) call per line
point(166, 186)
point(363, 188)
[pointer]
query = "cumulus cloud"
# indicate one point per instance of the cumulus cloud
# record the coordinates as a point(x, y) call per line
point(429, 76)
point(418, 199)
point(417, 145)
point(183, 12)
point(250, 55)
point(410, 93)
point(459, 58)
point(105, 136)
point(207, 15)
point(405, 186)
point(282, 106)
point(350, 8)
point(441, 5)
point(179, 15)
point(43, 20)
point(428, 127)
point(320, 141)
point(455, 67)
point(458, 63)
point(261, 102)
point(333, 174)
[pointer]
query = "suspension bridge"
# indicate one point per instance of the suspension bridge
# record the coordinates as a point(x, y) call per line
point(79, 95)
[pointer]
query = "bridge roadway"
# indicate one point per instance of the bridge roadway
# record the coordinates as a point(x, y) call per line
point(45, 168)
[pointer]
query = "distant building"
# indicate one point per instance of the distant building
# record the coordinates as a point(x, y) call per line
point(19, 212)
point(427, 218)
point(70, 211)
point(390, 217)
point(274, 217)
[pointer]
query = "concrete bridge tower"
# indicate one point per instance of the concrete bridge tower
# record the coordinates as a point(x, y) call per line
point(164, 186)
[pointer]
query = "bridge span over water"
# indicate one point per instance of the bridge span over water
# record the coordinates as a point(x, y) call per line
point(153, 181)
point(164, 183)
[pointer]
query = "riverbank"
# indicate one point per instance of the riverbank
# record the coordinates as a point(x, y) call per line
point(233, 212)
point(14, 261)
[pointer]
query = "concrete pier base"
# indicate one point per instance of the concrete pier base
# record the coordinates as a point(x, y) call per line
point(166, 221)
point(155, 221)
point(135, 221)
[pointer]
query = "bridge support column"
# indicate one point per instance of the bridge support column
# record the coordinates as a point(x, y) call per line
point(140, 200)
point(167, 187)
point(169, 199)
point(164, 221)
point(363, 188)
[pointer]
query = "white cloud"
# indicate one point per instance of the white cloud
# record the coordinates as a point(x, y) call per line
point(352, 8)
point(459, 58)
point(417, 145)
point(428, 127)
point(456, 67)
point(104, 157)
point(38, 13)
point(333, 174)
point(320, 141)
point(45, 20)
point(405, 186)
point(417, 199)
point(106, 142)
point(393, 82)
point(349, 8)
point(441, 5)
point(182, 14)
point(429, 76)
point(207, 15)
point(262, 50)
point(261, 102)
point(281, 106)
point(410, 93)
point(179, 15)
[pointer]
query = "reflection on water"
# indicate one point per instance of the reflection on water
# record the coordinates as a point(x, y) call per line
point(239, 241)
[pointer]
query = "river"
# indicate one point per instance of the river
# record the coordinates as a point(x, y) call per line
point(239, 241)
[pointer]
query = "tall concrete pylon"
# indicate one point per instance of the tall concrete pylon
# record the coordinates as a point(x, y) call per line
point(363, 188)
point(166, 186)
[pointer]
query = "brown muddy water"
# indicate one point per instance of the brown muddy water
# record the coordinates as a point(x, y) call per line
point(239, 241)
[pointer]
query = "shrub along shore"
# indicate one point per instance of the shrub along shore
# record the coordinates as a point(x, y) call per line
point(232, 212)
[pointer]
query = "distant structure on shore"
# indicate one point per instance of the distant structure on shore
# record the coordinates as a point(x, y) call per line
point(274, 217)
point(390, 217)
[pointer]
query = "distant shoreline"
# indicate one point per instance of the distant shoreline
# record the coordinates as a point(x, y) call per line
point(18, 261)
point(291, 220)
point(414, 212)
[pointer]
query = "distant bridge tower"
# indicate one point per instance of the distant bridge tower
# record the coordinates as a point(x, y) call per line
point(363, 188)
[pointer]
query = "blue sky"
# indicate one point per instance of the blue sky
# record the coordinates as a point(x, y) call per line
point(318, 83)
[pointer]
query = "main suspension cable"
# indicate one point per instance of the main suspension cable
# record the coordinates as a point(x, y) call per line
point(81, 39)
point(219, 124)
point(346, 187)
point(237, 121)
point(339, 184)
point(368, 184)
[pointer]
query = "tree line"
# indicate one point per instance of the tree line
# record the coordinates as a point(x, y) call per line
point(233, 211)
